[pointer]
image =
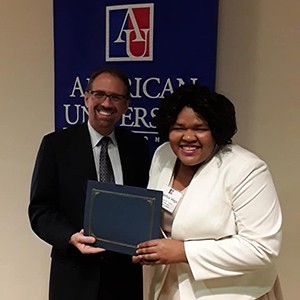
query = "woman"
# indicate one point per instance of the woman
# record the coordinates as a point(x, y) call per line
point(221, 219)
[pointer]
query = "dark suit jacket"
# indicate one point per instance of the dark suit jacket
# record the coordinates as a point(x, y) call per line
point(64, 164)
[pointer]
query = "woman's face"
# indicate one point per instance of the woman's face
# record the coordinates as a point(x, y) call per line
point(190, 138)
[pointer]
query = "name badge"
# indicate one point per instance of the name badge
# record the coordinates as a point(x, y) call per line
point(171, 198)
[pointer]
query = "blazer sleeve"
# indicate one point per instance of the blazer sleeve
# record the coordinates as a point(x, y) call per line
point(44, 214)
point(258, 221)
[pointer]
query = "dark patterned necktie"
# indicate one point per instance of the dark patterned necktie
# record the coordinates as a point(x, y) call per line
point(105, 169)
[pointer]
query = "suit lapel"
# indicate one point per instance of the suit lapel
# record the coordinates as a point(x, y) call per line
point(85, 153)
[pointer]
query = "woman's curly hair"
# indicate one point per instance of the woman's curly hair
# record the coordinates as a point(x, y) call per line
point(214, 108)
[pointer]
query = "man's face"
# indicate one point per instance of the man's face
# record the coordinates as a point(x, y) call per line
point(106, 111)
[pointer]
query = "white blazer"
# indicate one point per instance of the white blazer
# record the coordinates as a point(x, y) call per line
point(230, 221)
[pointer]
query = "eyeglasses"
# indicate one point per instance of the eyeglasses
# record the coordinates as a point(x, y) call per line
point(101, 95)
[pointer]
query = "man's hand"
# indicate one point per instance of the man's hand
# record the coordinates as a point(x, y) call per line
point(82, 242)
point(161, 251)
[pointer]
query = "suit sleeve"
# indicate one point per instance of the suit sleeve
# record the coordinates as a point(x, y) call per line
point(134, 154)
point(44, 214)
point(144, 163)
point(258, 223)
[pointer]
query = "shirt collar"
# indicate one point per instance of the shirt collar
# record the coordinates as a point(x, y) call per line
point(96, 136)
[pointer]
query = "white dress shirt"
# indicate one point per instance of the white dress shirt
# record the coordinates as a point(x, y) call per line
point(113, 153)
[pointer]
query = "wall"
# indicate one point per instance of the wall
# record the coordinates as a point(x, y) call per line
point(258, 69)
point(26, 85)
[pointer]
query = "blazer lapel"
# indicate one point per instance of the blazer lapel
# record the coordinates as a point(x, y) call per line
point(167, 171)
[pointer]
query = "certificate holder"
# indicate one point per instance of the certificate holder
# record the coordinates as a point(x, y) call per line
point(120, 217)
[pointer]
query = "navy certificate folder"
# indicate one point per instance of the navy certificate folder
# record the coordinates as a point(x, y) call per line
point(120, 217)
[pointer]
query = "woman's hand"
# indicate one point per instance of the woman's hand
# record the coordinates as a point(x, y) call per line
point(161, 251)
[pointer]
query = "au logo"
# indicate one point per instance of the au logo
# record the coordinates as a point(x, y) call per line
point(129, 32)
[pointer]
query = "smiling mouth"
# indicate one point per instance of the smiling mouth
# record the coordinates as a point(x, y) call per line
point(104, 113)
point(189, 148)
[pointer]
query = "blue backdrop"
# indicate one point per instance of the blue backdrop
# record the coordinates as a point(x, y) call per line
point(160, 45)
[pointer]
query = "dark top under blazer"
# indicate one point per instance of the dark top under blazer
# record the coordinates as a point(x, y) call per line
point(64, 163)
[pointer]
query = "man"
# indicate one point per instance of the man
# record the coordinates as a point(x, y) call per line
point(65, 161)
